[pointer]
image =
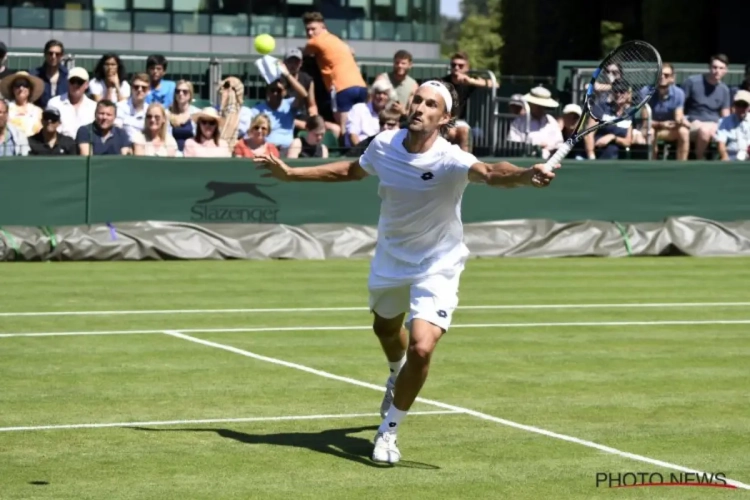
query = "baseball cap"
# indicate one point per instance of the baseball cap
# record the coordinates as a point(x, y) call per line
point(52, 113)
point(572, 108)
point(78, 72)
point(742, 95)
point(516, 99)
point(293, 53)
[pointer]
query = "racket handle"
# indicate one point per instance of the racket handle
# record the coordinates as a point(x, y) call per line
point(558, 156)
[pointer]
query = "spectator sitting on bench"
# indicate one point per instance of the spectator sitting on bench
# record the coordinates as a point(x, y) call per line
point(388, 119)
point(667, 113)
point(363, 121)
point(733, 136)
point(311, 144)
point(605, 143)
point(706, 102)
point(544, 131)
point(254, 143)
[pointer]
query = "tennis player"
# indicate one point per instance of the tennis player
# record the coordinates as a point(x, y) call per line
point(420, 253)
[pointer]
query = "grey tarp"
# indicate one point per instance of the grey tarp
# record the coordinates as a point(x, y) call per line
point(514, 238)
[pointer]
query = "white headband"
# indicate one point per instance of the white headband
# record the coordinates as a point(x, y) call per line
point(442, 90)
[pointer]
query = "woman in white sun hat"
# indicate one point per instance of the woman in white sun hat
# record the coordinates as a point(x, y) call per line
point(543, 132)
point(22, 90)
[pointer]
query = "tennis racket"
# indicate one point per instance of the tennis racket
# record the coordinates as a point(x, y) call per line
point(618, 80)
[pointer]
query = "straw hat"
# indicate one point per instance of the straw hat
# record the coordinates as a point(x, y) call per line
point(208, 114)
point(37, 85)
point(541, 97)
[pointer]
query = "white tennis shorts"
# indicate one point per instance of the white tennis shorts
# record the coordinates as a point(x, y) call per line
point(432, 298)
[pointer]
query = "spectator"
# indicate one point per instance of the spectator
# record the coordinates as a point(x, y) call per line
point(181, 112)
point(207, 141)
point(155, 139)
point(667, 113)
point(48, 142)
point(13, 142)
point(254, 143)
point(388, 119)
point(745, 85)
point(404, 85)
point(103, 137)
point(606, 142)
point(75, 107)
point(363, 120)
point(570, 116)
point(516, 105)
point(236, 117)
point(340, 72)
point(4, 71)
point(25, 89)
point(706, 102)
point(293, 65)
point(281, 111)
point(733, 135)
point(311, 144)
point(544, 131)
point(53, 73)
point(110, 80)
point(465, 86)
point(131, 114)
point(162, 91)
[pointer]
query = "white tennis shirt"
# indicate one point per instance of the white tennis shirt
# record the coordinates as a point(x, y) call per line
point(420, 210)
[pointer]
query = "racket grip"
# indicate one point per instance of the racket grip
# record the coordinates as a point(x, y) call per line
point(558, 156)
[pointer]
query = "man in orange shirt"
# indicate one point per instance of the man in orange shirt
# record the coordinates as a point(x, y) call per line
point(340, 72)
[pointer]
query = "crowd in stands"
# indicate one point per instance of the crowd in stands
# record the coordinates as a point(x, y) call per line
point(321, 103)
point(701, 112)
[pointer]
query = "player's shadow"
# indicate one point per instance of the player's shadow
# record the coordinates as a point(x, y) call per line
point(340, 443)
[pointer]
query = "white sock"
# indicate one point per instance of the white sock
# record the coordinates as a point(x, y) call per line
point(396, 366)
point(392, 420)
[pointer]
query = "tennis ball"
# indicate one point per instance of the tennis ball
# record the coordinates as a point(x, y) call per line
point(264, 44)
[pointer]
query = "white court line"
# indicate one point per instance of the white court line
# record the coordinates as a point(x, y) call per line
point(519, 307)
point(446, 406)
point(211, 421)
point(360, 327)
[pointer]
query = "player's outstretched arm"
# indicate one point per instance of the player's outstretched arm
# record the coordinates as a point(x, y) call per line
point(507, 175)
point(340, 171)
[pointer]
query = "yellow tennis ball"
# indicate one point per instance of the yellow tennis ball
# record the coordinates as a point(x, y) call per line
point(264, 44)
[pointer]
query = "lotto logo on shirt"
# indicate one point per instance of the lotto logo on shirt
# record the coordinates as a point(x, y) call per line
point(236, 202)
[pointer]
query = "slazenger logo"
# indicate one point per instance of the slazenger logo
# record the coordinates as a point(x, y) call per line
point(249, 203)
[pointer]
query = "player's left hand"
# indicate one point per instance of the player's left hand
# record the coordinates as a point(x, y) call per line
point(539, 177)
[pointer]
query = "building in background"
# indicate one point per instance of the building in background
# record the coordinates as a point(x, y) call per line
point(374, 28)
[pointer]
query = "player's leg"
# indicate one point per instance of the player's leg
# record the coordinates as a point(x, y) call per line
point(433, 301)
point(389, 303)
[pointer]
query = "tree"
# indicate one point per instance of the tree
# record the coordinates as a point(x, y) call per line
point(479, 34)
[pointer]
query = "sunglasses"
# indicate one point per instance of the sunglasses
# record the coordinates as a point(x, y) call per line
point(76, 81)
point(153, 117)
point(458, 65)
point(206, 122)
point(54, 53)
point(22, 85)
point(260, 127)
point(182, 91)
point(140, 87)
point(276, 90)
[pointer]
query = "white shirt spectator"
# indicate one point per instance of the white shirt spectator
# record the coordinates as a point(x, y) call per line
point(735, 133)
point(362, 121)
point(421, 198)
point(96, 87)
point(73, 117)
point(545, 131)
point(131, 119)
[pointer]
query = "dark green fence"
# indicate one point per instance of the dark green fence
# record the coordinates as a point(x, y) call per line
point(71, 191)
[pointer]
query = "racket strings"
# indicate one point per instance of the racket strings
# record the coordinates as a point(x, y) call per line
point(623, 76)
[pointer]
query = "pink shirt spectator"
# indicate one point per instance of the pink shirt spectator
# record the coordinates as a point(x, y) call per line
point(207, 149)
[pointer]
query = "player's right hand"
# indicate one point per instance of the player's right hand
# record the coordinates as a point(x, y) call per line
point(273, 166)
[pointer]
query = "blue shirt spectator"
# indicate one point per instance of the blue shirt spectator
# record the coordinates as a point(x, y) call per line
point(281, 112)
point(162, 91)
point(663, 106)
point(705, 101)
point(733, 135)
point(102, 137)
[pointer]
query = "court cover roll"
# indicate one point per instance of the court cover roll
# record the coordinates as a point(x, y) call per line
point(154, 240)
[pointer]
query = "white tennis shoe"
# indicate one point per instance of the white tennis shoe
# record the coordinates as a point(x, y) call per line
point(386, 449)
